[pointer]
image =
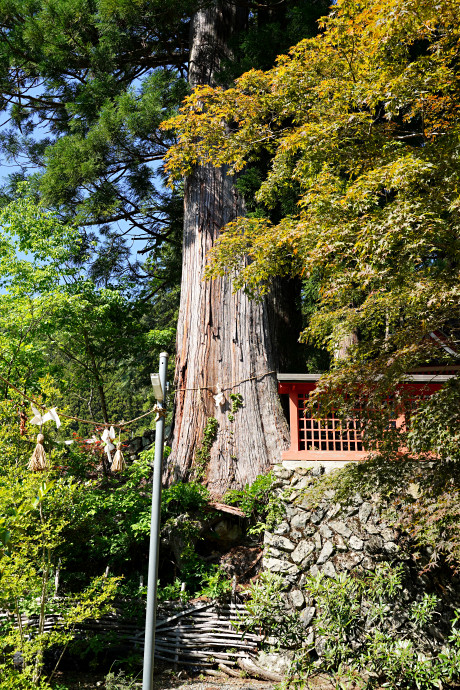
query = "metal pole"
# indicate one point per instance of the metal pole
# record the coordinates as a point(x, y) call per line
point(150, 615)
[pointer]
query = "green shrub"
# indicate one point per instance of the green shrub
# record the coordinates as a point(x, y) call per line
point(259, 503)
point(267, 611)
point(356, 639)
point(119, 681)
point(216, 583)
point(184, 497)
point(12, 679)
point(36, 509)
point(183, 514)
point(359, 642)
point(172, 591)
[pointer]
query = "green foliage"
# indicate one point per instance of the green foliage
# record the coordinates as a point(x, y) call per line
point(236, 404)
point(172, 592)
point(259, 502)
point(16, 680)
point(184, 497)
point(216, 584)
point(434, 425)
point(201, 577)
point(203, 453)
point(359, 124)
point(340, 608)
point(37, 510)
point(429, 511)
point(184, 511)
point(102, 82)
point(55, 321)
point(247, 184)
point(98, 79)
point(358, 644)
point(29, 261)
point(92, 649)
point(237, 401)
point(111, 526)
point(374, 477)
point(358, 641)
point(119, 681)
point(267, 611)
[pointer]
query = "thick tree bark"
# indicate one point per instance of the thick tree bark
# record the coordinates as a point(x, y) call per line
point(224, 340)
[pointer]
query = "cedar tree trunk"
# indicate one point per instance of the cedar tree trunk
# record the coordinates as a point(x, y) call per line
point(224, 340)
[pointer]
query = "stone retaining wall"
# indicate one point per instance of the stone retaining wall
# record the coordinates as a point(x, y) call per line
point(331, 539)
point(334, 538)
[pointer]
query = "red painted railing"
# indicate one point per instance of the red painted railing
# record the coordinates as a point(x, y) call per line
point(333, 438)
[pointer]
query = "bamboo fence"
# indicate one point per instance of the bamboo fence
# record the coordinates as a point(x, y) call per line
point(202, 635)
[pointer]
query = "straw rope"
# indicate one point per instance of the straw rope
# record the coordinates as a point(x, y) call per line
point(228, 387)
point(91, 422)
point(157, 410)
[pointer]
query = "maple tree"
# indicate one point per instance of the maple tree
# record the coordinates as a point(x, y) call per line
point(361, 123)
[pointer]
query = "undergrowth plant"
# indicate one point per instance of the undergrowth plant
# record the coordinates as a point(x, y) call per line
point(110, 527)
point(260, 503)
point(358, 642)
point(119, 681)
point(367, 632)
point(216, 584)
point(267, 612)
point(183, 497)
point(172, 591)
point(36, 510)
point(202, 454)
point(184, 513)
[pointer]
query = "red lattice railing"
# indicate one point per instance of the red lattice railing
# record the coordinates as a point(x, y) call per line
point(331, 434)
point(333, 438)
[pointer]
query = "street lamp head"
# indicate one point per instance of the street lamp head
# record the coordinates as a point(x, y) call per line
point(157, 387)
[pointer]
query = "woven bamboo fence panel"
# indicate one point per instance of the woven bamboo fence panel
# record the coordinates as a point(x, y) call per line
point(200, 634)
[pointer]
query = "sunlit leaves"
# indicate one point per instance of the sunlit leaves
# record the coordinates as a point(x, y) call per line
point(361, 123)
point(35, 247)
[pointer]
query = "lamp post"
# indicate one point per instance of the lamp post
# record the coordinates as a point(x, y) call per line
point(159, 387)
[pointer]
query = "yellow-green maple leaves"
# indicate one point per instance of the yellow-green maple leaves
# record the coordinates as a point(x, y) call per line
point(361, 120)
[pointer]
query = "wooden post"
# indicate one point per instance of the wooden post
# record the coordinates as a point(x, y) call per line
point(294, 418)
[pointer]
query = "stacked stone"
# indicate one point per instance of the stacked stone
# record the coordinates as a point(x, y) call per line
point(330, 539)
point(139, 443)
point(334, 538)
